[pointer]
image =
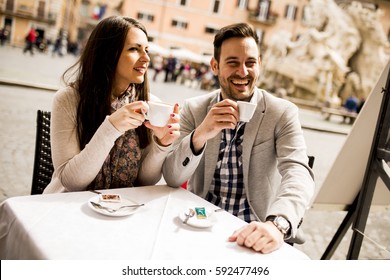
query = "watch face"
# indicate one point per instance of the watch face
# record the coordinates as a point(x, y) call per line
point(283, 223)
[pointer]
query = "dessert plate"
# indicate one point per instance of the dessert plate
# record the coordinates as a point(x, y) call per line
point(121, 211)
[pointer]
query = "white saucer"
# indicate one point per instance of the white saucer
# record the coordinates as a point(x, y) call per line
point(114, 205)
point(199, 223)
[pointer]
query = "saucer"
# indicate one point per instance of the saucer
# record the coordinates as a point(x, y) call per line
point(199, 223)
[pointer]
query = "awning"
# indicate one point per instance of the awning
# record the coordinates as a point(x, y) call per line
point(184, 54)
point(156, 49)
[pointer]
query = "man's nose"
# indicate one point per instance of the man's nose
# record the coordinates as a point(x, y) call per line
point(242, 70)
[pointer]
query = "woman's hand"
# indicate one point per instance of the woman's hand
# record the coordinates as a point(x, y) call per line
point(167, 134)
point(129, 116)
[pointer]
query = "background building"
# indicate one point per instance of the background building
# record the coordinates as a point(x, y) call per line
point(47, 17)
point(171, 24)
point(70, 20)
point(192, 24)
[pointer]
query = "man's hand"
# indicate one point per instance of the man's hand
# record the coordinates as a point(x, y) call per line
point(221, 116)
point(261, 237)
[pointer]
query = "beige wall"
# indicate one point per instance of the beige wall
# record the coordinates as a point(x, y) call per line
point(25, 15)
point(198, 14)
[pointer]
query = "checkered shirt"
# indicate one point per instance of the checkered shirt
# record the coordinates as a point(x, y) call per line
point(227, 187)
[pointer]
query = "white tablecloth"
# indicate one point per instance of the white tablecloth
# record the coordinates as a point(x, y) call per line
point(62, 226)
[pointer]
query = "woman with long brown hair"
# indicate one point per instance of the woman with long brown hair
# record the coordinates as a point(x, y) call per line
point(99, 135)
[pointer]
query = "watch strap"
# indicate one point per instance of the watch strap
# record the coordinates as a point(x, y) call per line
point(286, 233)
point(270, 218)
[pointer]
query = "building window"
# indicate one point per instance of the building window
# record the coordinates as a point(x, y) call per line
point(216, 6)
point(290, 12)
point(9, 6)
point(179, 24)
point(84, 10)
point(145, 16)
point(260, 35)
point(242, 4)
point(304, 19)
point(264, 7)
point(41, 9)
point(210, 30)
point(183, 2)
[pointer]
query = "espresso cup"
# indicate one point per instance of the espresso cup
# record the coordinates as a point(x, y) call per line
point(159, 113)
point(246, 110)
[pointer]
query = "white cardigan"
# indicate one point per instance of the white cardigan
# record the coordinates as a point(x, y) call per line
point(74, 169)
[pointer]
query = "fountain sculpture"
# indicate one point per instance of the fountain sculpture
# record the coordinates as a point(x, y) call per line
point(342, 53)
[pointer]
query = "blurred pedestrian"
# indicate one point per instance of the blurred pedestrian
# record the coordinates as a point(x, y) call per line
point(30, 41)
point(157, 65)
point(4, 33)
point(351, 105)
point(57, 49)
point(360, 106)
point(170, 68)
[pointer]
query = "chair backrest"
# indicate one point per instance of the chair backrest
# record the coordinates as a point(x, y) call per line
point(311, 161)
point(43, 166)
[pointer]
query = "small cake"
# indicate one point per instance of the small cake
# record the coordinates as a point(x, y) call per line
point(110, 197)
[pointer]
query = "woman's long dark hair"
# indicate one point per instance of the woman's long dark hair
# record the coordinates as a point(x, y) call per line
point(94, 74)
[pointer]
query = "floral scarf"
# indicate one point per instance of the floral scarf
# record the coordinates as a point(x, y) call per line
point(120, 169)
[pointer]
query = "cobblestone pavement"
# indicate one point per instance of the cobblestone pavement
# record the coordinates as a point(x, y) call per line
point(38, 76)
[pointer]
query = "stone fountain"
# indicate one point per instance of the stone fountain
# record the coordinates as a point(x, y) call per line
point(342, 53)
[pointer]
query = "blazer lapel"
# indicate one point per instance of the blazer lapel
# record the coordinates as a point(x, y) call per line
point(211, 154)
point(251, 130)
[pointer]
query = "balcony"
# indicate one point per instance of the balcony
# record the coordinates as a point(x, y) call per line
point(26, 12)
point(270, 19)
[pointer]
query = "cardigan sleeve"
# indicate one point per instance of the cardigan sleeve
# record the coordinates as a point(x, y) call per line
point(75, 169)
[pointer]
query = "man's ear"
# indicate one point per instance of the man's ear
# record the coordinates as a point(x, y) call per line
point(214, 66)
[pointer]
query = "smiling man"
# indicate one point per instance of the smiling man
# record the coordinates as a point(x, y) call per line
point(255, 170)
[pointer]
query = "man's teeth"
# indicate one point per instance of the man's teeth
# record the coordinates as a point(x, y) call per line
point(240, 82)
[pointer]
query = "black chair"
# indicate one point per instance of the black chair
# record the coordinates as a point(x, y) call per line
point(43, 166)
point(311, 161)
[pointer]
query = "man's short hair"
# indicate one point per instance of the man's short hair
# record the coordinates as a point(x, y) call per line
point(241, 30)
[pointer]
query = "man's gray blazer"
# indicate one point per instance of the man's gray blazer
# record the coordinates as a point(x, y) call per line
point(277, 178)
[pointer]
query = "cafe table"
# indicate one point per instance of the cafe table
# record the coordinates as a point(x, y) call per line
point(64, 226)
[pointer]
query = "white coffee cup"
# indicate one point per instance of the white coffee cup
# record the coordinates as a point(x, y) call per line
point(246, 110)
point(159, 113)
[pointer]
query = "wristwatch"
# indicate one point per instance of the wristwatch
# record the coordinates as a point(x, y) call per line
point(281, 223)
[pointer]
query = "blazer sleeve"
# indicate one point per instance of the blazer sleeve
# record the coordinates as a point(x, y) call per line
point(181, 162)
point(297, 179)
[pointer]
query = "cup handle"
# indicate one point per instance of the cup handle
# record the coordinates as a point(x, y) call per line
point(145, 115)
